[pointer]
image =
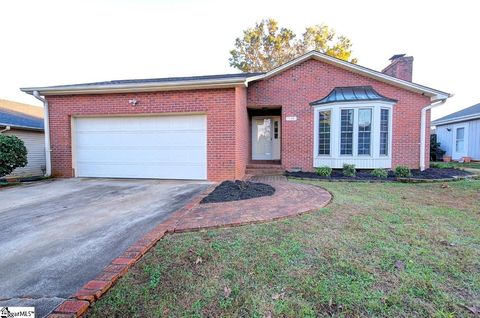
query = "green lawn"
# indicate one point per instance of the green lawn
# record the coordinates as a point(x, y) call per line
point(473, 165)
point(378, 250)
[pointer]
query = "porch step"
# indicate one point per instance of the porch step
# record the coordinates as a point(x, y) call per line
point(258, 169)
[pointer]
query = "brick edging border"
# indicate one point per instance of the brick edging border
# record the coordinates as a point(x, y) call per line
point(78, 304)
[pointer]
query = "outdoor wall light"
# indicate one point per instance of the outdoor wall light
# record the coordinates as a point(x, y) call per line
point(133, 102)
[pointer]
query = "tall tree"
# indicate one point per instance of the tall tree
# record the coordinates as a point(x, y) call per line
point(266, 46)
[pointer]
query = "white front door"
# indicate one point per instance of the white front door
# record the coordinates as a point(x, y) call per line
point(460, 141)
point(265, 138)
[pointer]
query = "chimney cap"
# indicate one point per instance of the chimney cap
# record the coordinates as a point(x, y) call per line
point(396, 56)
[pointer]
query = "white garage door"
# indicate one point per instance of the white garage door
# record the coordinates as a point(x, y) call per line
point(164, 147)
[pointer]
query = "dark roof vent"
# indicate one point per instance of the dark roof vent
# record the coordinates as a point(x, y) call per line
point(352, 94)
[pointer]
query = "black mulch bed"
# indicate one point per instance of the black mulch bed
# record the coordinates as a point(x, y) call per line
point(365, 175)
point(238, 190)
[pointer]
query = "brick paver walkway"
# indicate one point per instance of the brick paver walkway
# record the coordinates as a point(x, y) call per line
point(289, 199)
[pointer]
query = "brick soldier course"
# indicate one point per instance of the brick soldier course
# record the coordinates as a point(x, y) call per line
point(290, 199)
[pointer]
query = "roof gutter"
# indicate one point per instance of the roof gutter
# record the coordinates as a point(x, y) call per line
point(423, 133)
point(46, 125)
point(125, 88)
point(455, 120)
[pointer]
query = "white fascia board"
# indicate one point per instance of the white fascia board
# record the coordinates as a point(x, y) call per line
point(432, 93)
point(455, 120)
point(139, 87)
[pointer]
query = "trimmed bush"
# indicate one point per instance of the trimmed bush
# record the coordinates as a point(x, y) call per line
point(13, 154)
point(349, 170)
point(324, 171)
point(402, 172)
point(380, 173)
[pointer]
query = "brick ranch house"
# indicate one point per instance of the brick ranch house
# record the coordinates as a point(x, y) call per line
point(313, 111)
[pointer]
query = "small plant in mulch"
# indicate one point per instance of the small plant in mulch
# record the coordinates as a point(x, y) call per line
point(238, 190)
point(403, 172)
point(380, 173)
point(349, 170)
point(324, 171)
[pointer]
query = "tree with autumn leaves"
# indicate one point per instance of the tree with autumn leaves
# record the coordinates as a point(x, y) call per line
point(266, 46)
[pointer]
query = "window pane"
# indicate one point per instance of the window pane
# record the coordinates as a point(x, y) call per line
point(346, 134)
point(384, 119)
point(324, 119)
point(364, 131)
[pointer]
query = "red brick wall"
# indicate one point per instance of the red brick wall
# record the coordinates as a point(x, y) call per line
point(242, 131)
point(218, 104)
point(296, 87)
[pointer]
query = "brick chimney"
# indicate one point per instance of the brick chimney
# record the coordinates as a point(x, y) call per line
point(401, 67)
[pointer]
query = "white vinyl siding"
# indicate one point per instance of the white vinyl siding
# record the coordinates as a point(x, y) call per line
point(163, 147)
point(446, 135)
point(35, 143)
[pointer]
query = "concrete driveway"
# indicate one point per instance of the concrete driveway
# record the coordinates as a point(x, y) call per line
point(57, 235)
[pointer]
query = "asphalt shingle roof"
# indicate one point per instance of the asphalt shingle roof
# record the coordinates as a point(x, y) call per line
point(17, 119)
point(164, 80)
point(469, 111)
point(352, 94)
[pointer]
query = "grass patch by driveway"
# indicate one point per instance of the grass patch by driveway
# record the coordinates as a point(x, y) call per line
point(384, 250)
point(472, 165)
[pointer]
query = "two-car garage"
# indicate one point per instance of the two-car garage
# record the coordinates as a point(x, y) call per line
point(164, 147)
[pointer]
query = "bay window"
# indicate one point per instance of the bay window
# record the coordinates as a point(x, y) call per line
point(355, 133)
point(346, 134)
point(364, 130)
point(324, 132)
point(384, 124)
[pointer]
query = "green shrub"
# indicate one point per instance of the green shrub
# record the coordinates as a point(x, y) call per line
point(380, 173)
point(402, 172)
point(349, 170)
point(324, 171)
point(13, 154)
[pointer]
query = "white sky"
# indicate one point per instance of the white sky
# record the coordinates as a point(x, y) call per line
point(65, 42)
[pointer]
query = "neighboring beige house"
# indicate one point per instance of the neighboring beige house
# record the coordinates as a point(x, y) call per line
point(26, 122)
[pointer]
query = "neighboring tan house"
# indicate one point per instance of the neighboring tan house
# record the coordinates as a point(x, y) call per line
point(313, 111)
point(25, 122)
point(459, 133)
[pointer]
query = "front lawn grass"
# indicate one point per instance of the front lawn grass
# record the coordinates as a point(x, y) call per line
point(473, 165)
point(378, 250)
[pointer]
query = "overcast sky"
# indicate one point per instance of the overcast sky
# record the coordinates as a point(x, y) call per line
point(64, 42)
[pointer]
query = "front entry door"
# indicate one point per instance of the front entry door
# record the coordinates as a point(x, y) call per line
point(265, 138)
point(460, 142)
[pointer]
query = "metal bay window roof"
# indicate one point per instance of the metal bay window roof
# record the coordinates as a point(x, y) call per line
point(352, 94)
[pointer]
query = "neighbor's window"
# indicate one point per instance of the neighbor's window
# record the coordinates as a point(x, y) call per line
point(324, 119)
point(364, 131)
point(384, 122)
point(346, 132)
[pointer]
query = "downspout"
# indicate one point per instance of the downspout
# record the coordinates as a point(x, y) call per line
point(46, 125)
point(7, 128)
point(423, 127)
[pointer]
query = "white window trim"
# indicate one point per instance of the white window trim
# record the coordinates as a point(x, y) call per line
point(335, 160)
